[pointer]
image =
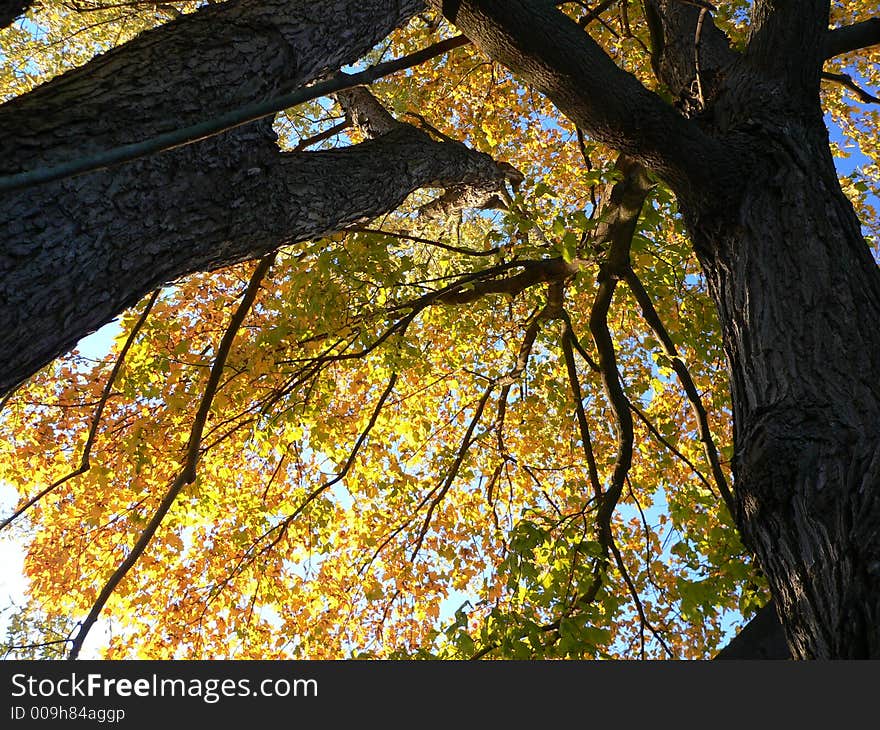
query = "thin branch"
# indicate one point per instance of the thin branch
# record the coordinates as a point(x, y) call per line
point(84, 463)
point(652, 429)
point(698, 40)
point(513, 375)
point(4, 401)
point(705, 433)
point(284, 525)
point(634, 594)
point(568, 339)
point(582, 146)
point(647, 531)
point(585, 599)
point(321, 136)
point(187, 474)
point(846, 81)
point(315, 493)
point(427, 241)
point(579, 348)
point(593, 14)
point(453, 470)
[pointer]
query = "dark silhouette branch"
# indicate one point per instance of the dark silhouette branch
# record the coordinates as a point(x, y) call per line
point(853, 37)
point(453, 470)
point(651, 316)
point(282, 527)
point(553, 55)
point(11, 10)
point(847, 81)
point(187, 474)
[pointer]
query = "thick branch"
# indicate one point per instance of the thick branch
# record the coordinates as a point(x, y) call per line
point(689, 52)
point(257, 112)
point(97, 415)
point(534, 272)
point(251, 49)
point(10, 10)
point(847, 81)
point(196, 209)
point(366, 112)
point(487, 196)
point(651, 316)
point(853, 37)
point(619, 211)
point(553, 55)
point(568, 339)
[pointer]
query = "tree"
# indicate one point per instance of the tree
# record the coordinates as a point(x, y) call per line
point(426, 350)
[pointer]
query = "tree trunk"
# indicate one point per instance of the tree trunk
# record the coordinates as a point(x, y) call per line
point(77, 252)
point(204, 64)
point(797, 291)
point(798, 295)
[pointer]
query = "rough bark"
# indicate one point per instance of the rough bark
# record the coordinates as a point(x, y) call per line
point(793, 282)
point(689, 53)
point(114, 236)
point(554, 55)
point(797, 292)
point(216, 60)
point(790, 273)
point(77, 252)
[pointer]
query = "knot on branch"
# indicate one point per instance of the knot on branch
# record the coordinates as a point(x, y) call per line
point(365, 111)
point(488, 193)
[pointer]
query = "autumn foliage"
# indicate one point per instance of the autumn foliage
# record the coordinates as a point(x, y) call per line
point(407, 451)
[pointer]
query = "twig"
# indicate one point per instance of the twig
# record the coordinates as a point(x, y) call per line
point(427, 241)
point(321, 136)
point(652, 429)
point(453, 470)
point(634, 594)
point(315, 493)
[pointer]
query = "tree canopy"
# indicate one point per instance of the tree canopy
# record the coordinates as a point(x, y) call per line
point(428, 367)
